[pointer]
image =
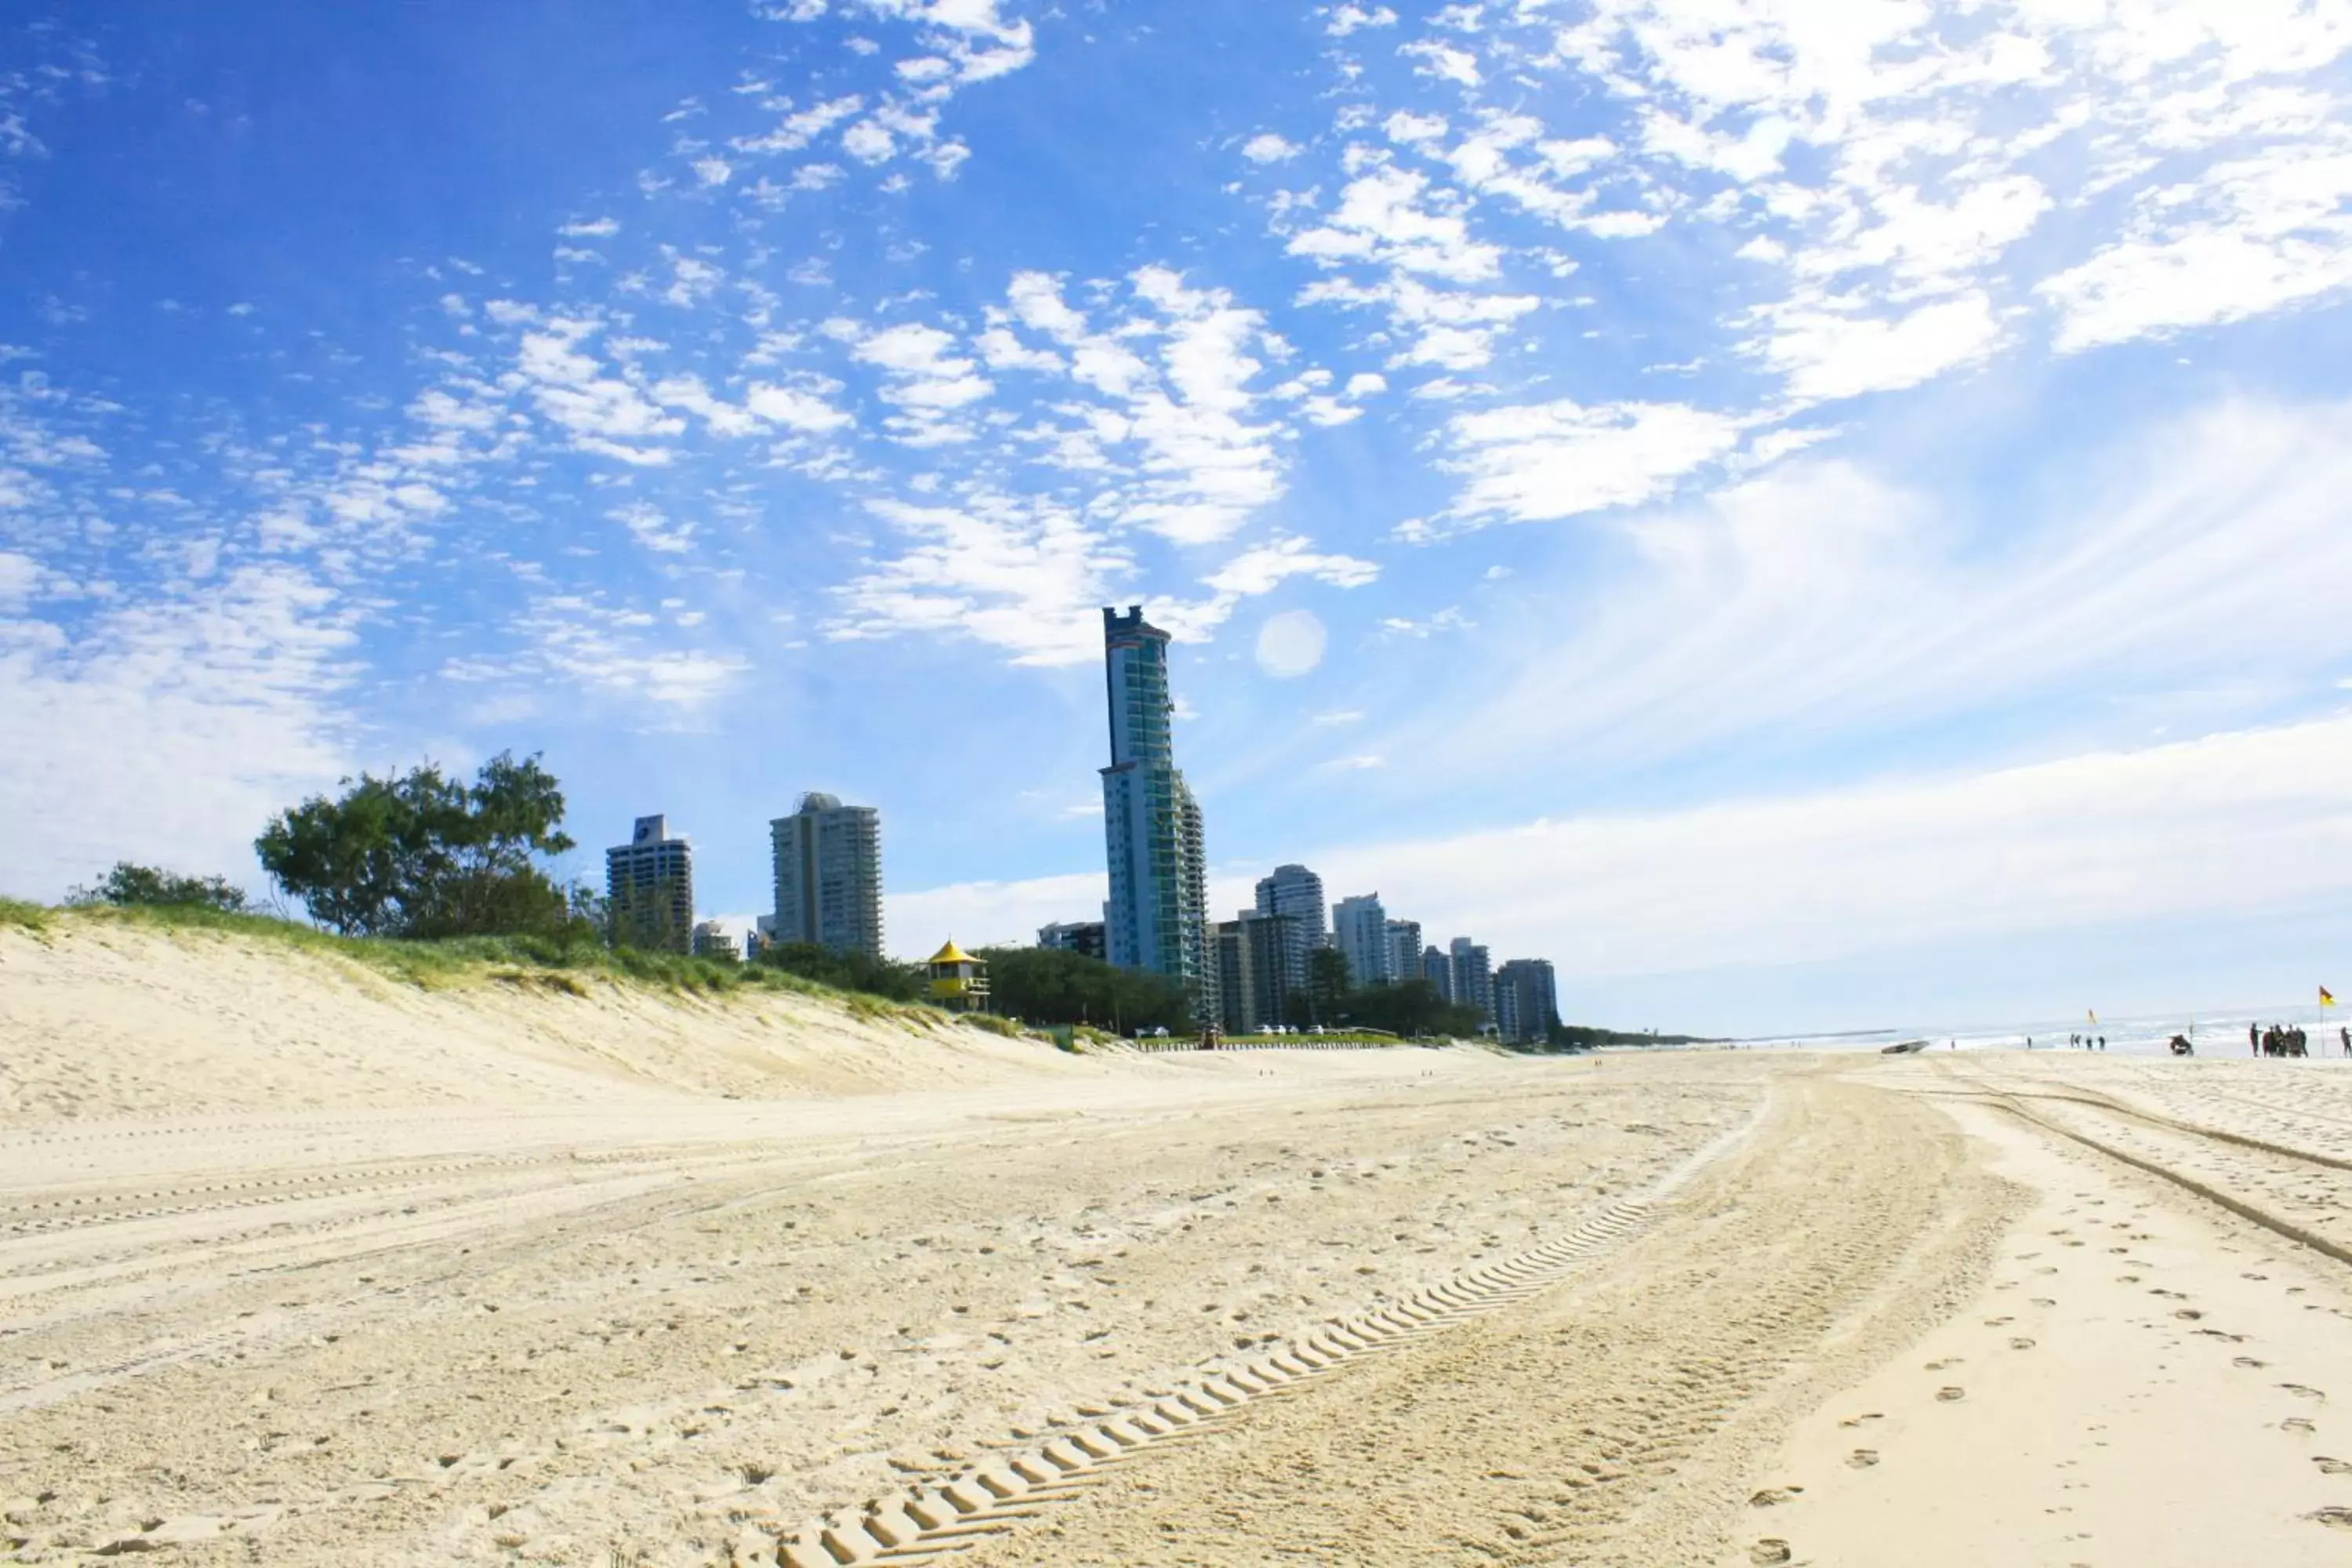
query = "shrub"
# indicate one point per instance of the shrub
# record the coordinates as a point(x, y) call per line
point(133, 886)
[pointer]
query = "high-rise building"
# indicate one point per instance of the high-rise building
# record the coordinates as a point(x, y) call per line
point(1474, 982)
point(1256, 975)
point(828, 865)
point(1438, 970)
point(1404, 950)
point(713, 939)
point(649, 889)
point(1155, 918)
point(1526, 1000)
point(1073, 936)
point(1296, 894)
point(1359, 929)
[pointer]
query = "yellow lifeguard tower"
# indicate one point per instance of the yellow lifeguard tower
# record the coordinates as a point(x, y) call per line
point(959, 981)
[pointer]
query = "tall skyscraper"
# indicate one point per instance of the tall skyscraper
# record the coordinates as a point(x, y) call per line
point(1526, 1000)
point(1157, 916)
point(1438, 970)
point(1359, 929)
point(649, 889)
point(828, 864)
point(1474, 982)
point(1404, 950)
point(1297, 894)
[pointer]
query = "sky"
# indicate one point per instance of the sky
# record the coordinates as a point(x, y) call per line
point(1803, 515)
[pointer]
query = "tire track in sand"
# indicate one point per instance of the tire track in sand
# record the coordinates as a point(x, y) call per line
point(974, 1503)
point(1609, 1421)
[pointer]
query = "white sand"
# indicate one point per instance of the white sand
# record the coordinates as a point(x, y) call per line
point(300, 1266)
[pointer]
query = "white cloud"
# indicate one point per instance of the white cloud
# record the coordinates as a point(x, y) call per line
point(613, 652)
point(608, 415)
point(1820, 598)
point(2239, 823)
point(591, 228)
point(2265, 233)
point(803, 409)
point(1258, 571)
point(19, 575)
point(1827, 355)
point(652, 530)
point(1550, 460)
point(169, 730)
point(1349, 19)
point(1268, 148)
point(980, 914)
point(927, 379)
point(1394, 217)
point(1022, 575)
point(1202, 466)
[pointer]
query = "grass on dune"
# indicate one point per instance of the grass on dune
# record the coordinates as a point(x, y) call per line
point(458, 962)
point(28, 917)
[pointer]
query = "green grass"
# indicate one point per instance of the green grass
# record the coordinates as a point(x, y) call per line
point(29, 917)
point(522, 961)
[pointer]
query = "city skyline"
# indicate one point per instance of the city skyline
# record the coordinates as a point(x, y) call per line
point(1805, 516)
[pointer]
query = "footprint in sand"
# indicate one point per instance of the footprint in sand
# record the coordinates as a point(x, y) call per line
point(2296, 1424)
point(2300, 1392)
point(2333, 1518)
point(1773, 1497)
point(2328, 1467)
point(1859, 1420)
point(1772, 1549)
point(2247, 1361)
point(2020, 1343)
point(2043, 1301)
point(1862, 1458)
point(1949, 1395)
point(1998, 1322)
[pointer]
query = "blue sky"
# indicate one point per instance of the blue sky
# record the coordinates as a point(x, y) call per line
point(1804, 515)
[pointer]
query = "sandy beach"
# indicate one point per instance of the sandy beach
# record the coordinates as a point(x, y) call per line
point(301, 1266)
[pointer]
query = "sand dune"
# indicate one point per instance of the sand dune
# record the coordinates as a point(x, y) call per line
point(299, 1267)
point(104, 1019)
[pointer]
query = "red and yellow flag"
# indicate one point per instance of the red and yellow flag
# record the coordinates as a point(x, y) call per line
point(2326, 997)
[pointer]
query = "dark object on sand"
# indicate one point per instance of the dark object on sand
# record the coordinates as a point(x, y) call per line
point(2182, 1048)
point(1903, 1048)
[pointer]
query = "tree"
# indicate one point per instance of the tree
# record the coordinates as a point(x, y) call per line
point(1328, 984)
point(128, 883)
point(846, 970)
point(419, 854)
point(1051, 985)
point(1412, 1007)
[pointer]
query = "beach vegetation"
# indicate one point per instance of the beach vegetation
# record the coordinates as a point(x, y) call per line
point(421, 856)
point(130, 884)
point(843, 970)
point(23, 915)
point(1051, 985)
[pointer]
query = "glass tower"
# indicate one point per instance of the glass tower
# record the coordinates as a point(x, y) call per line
point(1155, 918)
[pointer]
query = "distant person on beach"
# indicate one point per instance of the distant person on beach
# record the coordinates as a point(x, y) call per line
point(2103, 1041)
point(2254, 1040)
point(2347, 1033)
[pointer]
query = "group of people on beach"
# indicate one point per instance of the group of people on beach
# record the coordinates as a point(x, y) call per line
point(2288, 1040)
